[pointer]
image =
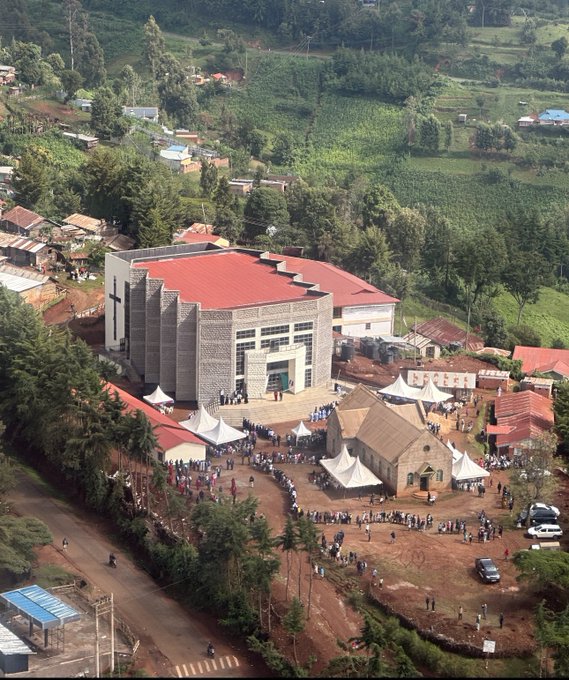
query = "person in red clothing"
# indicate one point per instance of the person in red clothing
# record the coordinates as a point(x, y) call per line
point(506, 553)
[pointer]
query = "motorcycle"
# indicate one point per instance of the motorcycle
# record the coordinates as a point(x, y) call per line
point(112, 561)
point(210, 651)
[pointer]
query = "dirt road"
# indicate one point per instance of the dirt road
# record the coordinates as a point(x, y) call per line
point(175, 639)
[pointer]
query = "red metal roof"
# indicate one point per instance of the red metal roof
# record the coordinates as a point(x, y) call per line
point(225, 279)
point(542, 359)
point(192, 237)
point(527, 414)
point(498, 429)
point(348, 290)
point(22, 217)
point(443, 332)
point(168, 432)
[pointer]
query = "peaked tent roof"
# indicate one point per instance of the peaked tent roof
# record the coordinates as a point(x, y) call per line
point(158, 397)
point(338, 464)
point(201, 421)
point(357, 475)
point(456, 454)
point(466, 468)
point(301, 430)
point(431, 393)
point(400, 389)
point(222, 433)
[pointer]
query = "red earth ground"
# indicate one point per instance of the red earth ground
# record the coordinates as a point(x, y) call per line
point(417, 565)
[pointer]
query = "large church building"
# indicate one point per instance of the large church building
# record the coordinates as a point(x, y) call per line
point(198, 319)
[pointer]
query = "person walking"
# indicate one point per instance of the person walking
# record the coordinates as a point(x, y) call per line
point(506, 554)
point(478, 621)
point(65, 543)
point(501, 620)
point(460, 613)
point(427, 602)
point(251, 481)
point(433, 604)
point(393, 537)
point(499, 487)
point(369, 536)
point(381, 582)
point(484, 608)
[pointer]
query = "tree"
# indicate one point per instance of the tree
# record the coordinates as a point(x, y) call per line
point(479, 261)
point(154, 44)
point(106, 114)
point(430, 133)
point(288, 541)
point(208, 177)
point(379, 207)
point(265, 207)
point(294, 622)
point(283, 150)
point(561, 410)
point(534, 480)
point(449, 135)
point(18, 538)
point(71, 81)
point(371, 255)
point(523, 277)
point(132, 83)
point(406, 236)
point(560, 46)
point(177, 94)
point(26, 57)
point(32, 177)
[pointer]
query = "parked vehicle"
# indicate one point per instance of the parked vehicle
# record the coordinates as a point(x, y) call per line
point(487, 570)
point(539, 513)
point(546, 531)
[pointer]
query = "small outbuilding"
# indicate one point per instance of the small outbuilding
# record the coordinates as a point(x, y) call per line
point(14, 652)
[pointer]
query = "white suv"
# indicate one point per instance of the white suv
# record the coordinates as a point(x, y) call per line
point(545, 531)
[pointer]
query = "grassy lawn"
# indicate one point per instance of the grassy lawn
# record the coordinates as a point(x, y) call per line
point(549, 317)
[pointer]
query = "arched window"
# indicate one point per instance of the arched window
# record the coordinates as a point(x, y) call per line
point(439, 476)
point(410, 479)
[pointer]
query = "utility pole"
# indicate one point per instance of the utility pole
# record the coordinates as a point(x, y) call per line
point(309, 38)
point(103, 606)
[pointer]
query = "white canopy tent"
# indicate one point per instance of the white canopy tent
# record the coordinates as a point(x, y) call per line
point(400, 389)
point(465, 468)
point(301, 430)
point(431, 393)
point(201, 421)
point(158, 397)
point(222, 433)
point(338, 464)
point(357, 475)
point(456, 454)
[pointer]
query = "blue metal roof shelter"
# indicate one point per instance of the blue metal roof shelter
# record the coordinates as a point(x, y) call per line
point(40, 607)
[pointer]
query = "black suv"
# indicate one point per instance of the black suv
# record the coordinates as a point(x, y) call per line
point(539, 513)
point(487, 570)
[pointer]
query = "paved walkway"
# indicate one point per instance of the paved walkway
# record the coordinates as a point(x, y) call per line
point(292, 407)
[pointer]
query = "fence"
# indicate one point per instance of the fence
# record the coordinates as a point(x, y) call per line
point(75, 589)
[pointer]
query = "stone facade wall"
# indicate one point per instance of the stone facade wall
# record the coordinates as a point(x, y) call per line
point(153, 324)
point(186, 352)
point(216, 356)
point(322, 342)
point(137, 340)
point(168, 340)
point(439, 457)
point(256, 372)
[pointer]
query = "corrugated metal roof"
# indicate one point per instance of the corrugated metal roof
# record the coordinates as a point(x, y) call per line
point(348, 290)
point(22, 217)
point(225, 279)
point(443, 332)
point(11, 644)
point(43, 608)
point(18, 283)
point(83, 222)
point(493, 373)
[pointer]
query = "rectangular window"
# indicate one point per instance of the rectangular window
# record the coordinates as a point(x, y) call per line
point(240, 350)
point(308, 377)
point(274, 330)
point(368, 327)
point(304, 326)
point(242, 335)
point(275, 343)
point(337, 313)
point(306, 340)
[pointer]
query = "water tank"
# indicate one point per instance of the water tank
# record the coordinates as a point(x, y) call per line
point(348, 352)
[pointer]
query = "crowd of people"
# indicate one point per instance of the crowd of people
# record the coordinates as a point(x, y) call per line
point(322, 412)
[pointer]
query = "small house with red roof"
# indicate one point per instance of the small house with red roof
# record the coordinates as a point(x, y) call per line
point(430, 337)
point(174, 441)
point(521, 417)
point(22, 221)
point(553, 363)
